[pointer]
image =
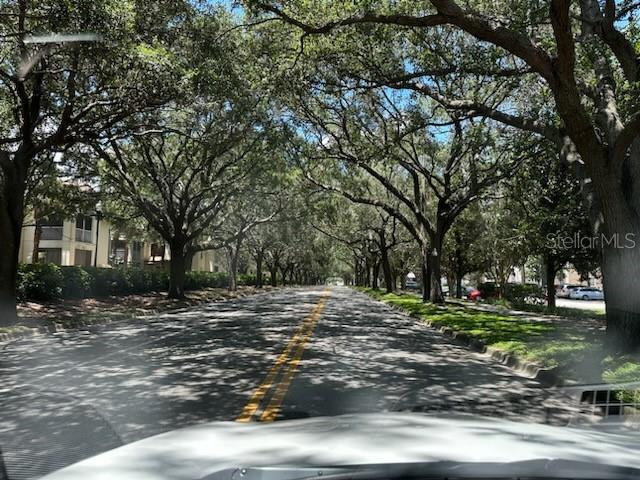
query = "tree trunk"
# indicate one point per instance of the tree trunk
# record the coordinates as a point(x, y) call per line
point(177, 272)
point(232, 258)
point(436, 275)
point(375, 275)
point(426, 276)
point(550, 274)
point(11, 220)
point(386, 270)
point(259, 257)
point(435, 258)
point(458, 286)
point(37, 235)
point(233, 252)
point(367, 273)
point(273, 272)
point(621, 279)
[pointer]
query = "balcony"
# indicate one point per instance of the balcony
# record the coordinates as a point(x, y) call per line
point(51, 233)
point(83, 235)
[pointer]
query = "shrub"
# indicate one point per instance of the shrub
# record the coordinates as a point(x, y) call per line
point(40, 281)
point(159, 280)
point(518, 293)
point(196, 280)
point(249, 280)
point(76, 282)
point(137, 280)
point(488, 290)
point(49, 281)
point(108, 281)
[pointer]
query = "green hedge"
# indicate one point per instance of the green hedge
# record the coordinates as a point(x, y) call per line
point(516, 293)
point(40, 282)
point(195, 280)
point(249, 280)
point(44, 282)
point(488, 290)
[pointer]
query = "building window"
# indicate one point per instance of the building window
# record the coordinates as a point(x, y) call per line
point(51, 228)
point(50, 255)
point(82, 258)
point(136, 253)
point(120, 255)
point(157, 252)
point(84, 225)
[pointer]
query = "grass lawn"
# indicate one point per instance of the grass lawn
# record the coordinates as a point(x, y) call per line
point(572, 344)
point(544, 310)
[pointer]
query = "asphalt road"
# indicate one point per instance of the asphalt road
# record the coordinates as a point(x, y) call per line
point(287, 354)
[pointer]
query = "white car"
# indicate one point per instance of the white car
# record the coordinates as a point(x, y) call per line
point(411, 284)
point(389, 445)
point(587, 293)
point(565, 290)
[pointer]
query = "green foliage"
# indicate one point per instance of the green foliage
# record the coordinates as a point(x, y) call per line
point(626, 372)
point(108, 281)
point(43, 282)
point(246, 279)
point(76, 282)
point(488, 290)
point(518, 293)
point(196, 280)
point(540, 341)
point(140, 280)
point(46, 282)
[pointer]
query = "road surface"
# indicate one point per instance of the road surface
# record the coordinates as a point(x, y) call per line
point(293, 353)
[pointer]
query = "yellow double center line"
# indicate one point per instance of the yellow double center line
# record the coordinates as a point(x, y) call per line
point(290, 359)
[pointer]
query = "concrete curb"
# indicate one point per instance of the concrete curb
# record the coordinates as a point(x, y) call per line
point(53, 327)
point(549, 377)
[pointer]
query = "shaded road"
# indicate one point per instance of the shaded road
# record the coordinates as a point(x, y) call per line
point(295, 353)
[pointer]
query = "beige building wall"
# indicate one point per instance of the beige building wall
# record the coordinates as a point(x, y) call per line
point(70, 247)
point(572, 277)
point(73, 247)
point(208, 261)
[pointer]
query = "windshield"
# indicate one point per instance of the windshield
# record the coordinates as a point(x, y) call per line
point(284, 213)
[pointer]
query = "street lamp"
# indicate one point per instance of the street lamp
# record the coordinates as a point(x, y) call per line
point(99, 216)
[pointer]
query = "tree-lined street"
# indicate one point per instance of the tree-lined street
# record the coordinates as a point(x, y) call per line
point(391, 170)
point(73, 394)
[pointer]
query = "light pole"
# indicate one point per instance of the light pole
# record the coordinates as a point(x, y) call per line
point(99, 216)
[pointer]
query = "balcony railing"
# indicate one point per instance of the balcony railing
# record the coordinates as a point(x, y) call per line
point(83, 235)
point(51, 233)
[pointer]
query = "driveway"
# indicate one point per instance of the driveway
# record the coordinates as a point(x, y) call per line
point(286, 354)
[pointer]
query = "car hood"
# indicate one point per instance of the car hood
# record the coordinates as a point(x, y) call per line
point(198, 451)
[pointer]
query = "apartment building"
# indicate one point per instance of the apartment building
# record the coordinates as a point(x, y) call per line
point(139, 253)
point(87, 241)
point(84, 241)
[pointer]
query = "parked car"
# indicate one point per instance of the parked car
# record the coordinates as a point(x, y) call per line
point(587, 293)
point(411, 284)
point(471, 293)
point(565, 290)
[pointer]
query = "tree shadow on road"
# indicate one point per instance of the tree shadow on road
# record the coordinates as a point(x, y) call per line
point(75, 394)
